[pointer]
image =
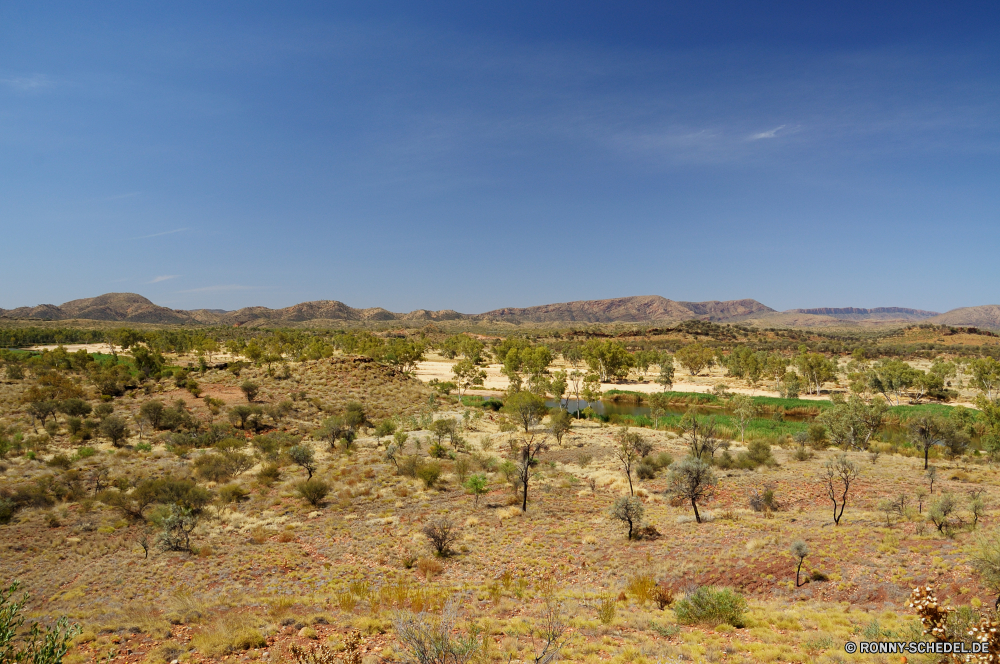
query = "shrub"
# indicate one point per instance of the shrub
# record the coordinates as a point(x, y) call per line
point(114, 429)
point(606, 609)
point(7, 508)
point(269, 473)
point(232, 493)
point(429, 473)
point(712, 606)
point(662, 595)
point(40, 646)
point(441, 534)
point(313, 490)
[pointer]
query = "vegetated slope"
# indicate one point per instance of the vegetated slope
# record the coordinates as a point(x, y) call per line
point(987, 315)
point(878, 313)
point(637, 309)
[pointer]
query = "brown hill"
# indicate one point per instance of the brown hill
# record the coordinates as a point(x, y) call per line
point(108, 307)
point(987, 315)
point(636, 309)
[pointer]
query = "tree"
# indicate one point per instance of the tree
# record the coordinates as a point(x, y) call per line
point(558, 385)
point(114, 429)
point(528, 453)
point(176, 523)
point(815, 368)
point(838, 475)
point(467, 375)
point(696, 357)
point(701, 433)
point(250, 389)
point(304, 457)
point(692, 479)
point(775, 367)
point(333, 429)
point(404, 354)
point(559, 424)
point(893, 377)
point(477, 485)
point(851, 424)
point(666, 376)
point(658, 404)
point(147, 362)
point(985, 375)
point(626, 453)
point(628, 510)
point(744, 409)
point(926, 431)
point(799, 550)
point(591, 388)
point(526, 408)
point(152, 412)
point(608, 359)
point(575, 383)
point(931, 474)
point(38, 646)
point(384, 428)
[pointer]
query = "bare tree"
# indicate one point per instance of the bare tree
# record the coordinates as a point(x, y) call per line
point(702, 434)
point(626, 453)
point(442, 533)
point(548, 636)
point(693, 479)
point(529, 449)
point(838, 474)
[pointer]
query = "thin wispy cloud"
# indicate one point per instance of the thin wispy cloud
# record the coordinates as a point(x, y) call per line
point(163, 277)
point(212, 289)
point(33, 82)
point(773, 133)
point(143, 237)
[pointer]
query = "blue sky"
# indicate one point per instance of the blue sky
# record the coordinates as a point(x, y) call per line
point(478, 155)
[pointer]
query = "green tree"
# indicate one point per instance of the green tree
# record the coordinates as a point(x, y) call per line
point(608, 359)
point(892, 378)
point(695, 357)
point(985, 375)
point(815, 368)
point(926, 431)
point(744, 409)
point(526, 408)
point(477, 485)
point(852, 423)
point(114, 429)
point(560, 424)
point(775, 367)
point(304, 457)
point(666, 376)
point(250, 389)
point(467, 375)
point(528, 454)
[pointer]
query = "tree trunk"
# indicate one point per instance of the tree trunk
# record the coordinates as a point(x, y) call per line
point(927, 452)
point(524, 502)
point(797, 569)
point(694, 504)
point(631, 491)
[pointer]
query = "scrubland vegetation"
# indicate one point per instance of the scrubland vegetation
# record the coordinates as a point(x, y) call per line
point(298, 495)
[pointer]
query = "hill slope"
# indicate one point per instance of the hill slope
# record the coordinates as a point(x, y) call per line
point(987, 315)
point(636, 309)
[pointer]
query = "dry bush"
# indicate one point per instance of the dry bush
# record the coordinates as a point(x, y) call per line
point(641, 587)
point(442, 534)
point(429, 567)
point(663, 595)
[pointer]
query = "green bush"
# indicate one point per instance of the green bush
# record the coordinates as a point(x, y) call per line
point(429, 473)
point(7, 508)
point(313, 491)
point(712, 606)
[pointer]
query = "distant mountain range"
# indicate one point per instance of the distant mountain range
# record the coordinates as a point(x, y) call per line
point(133, 308)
